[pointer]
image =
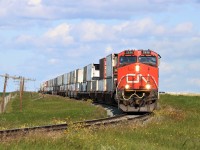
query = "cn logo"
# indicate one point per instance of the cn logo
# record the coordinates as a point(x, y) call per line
point(137, 78)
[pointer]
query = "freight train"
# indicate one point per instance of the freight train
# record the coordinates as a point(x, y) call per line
point(129, 79)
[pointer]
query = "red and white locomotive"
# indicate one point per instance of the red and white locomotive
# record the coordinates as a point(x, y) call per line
point(129, 79)
point(137, 76)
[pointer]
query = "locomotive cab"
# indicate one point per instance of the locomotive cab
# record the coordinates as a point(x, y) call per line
point(137, 80)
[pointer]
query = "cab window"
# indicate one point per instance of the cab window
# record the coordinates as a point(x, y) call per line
point(127, 59)
point(150, 60)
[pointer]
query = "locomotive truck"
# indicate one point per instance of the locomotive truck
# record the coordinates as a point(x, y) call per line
point(129, 79)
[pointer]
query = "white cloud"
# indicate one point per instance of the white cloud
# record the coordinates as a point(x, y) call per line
point(108, 50)
point(194, 82)
point(53, 61)
point(166, 68)
point(140, 27)
point(3, 12)
point(91, 31)
point(34, 2)
point(184, 28)
point(70, 9)
point(196, 39)
point(59, 35)
point(78, 52)
point(194, 65)
point(130, 34)
point(24, 39)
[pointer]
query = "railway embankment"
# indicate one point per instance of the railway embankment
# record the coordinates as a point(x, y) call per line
point(174, 126)
point(40, 110)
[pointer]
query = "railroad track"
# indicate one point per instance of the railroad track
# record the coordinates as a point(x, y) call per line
point(96, 122)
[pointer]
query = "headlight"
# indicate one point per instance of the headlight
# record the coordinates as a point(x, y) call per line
point(148, 86)
point(137, 68)
point(127, 86)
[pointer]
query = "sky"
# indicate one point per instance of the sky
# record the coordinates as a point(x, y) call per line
point(41, 39)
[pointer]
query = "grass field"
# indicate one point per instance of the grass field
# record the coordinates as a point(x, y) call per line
point(1, 95)
point(175, 126)
point(47, 110)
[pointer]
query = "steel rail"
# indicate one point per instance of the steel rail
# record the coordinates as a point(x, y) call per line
point(87, 123)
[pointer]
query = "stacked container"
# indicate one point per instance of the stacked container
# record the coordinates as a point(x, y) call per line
point(62, 88)
point(52, 85)
point(83, 86)
point(92, 73)
point(85, 74)
point(102, 85)
point(102, 67)
point(60, 80)
point(68, 78)
point(95, 85)
point(65, 79)
point(89, 86)
point(72, 77)
point(111, 61)
point(92, 78)
point(102, 81)
point(79, 79)
point(73, 82)
point(79, 75)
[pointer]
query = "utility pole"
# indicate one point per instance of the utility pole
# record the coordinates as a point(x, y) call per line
point(22, 80)
point(4, 93)
point(6, 76)
point(20, 92)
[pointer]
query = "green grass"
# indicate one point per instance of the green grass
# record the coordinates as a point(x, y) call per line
point(2, 94)
point(47, 110)
point(175, 126)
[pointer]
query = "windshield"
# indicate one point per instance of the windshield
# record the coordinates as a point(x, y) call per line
point(150, 60)
point(127, 59)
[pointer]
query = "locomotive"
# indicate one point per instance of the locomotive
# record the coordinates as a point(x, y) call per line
point(129, 79)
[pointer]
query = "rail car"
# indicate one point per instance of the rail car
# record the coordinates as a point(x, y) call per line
point(129, 79)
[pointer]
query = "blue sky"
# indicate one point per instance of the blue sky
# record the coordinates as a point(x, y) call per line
point(42, 39)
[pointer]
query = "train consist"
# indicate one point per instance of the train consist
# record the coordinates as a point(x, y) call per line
point(128, 79)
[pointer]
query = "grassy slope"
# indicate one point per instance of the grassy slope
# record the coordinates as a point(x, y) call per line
point(175, 126)
point(2, 94)
point(47, 110)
